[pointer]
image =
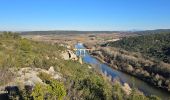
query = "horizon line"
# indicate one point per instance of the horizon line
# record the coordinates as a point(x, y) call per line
point(84, 30)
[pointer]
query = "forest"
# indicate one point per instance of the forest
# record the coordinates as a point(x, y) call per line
point(152, 45)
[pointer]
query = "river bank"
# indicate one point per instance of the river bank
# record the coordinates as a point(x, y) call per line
point(115, 71)
point(108, 59)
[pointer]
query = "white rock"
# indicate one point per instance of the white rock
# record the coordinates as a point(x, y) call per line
point(69, 55)
point(89, 67)
point(65, 56)
point(30, 75)
point(73, 56)
point(29, 83)
point(51, 70)
point(56, 76)
point(126, 88)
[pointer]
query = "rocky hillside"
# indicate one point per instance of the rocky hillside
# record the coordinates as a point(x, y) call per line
point(32, 70)
point(152, 45)
point(146, 57)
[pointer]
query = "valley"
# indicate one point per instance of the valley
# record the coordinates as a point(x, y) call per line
point(113, 76)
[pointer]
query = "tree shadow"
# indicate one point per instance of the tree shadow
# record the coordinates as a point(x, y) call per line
point(4, 96)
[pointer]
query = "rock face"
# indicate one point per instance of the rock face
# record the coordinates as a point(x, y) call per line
point(65, 56)
point(69, 55)
point(29, 76)
point(72, 55)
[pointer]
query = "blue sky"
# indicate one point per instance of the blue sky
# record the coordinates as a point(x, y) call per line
point(20, 15)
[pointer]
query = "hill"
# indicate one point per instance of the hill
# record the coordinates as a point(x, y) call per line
point(146, 57)
point(26, 57)
point(152, 45)
point(64, 32)
point(157, 31)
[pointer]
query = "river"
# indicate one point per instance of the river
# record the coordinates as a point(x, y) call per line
point(147, 89)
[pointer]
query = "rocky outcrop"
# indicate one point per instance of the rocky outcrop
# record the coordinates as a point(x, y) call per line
point(69, 55)
point(126, 88)
point(29, 76)
point(65, 55)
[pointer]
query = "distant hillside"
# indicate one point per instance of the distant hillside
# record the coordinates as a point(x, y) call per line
point(157, 31)
point(152, 45)
point(58, 32)
point(64, 32)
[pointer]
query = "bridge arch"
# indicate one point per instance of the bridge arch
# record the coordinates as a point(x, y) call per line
point(82, 51)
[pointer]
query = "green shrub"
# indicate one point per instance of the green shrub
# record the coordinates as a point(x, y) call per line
point(54, 90)
point(44, 77)
point(10, 35)
point(39, 92)
point(152, 97)
point(136, 95)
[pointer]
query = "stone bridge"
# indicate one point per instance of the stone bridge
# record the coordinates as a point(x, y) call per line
point(82, 51)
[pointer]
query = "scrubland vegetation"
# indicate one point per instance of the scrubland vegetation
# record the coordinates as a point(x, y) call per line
point(77, 82)
point(153, 45)
point(146, 57)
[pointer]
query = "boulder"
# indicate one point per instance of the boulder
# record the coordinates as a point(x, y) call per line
point(29, 76)
point(69, 55)
point(51, 70)
point(65, 56)
point(72, 55)
point(130, 68)
point(126, 88)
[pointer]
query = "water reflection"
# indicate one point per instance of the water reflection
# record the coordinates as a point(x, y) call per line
point(124, 78)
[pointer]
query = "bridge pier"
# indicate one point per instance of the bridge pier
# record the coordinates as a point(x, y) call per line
point(81, 51)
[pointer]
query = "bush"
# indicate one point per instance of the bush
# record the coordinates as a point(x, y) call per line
point(117, 92)
point(136, 95)
point(5, 76)
point(10, 35)
point(39, 92)
point(45, 77)
point(54, 90)
point(154, 98)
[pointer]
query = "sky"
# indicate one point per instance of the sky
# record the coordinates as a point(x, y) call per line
point(85, 15)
